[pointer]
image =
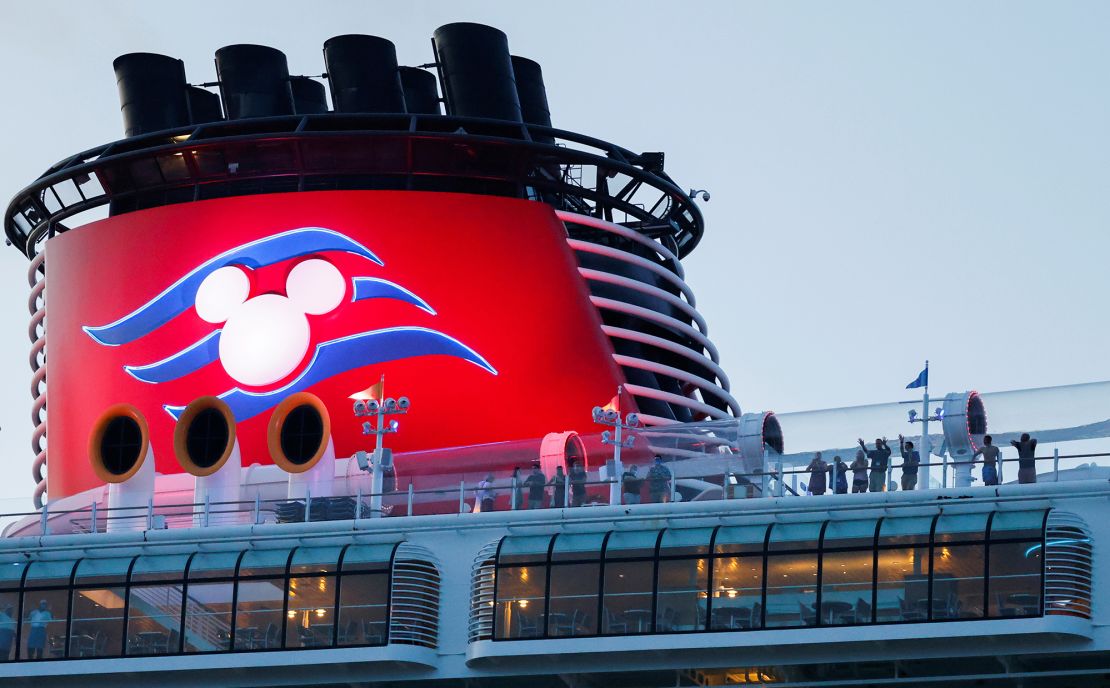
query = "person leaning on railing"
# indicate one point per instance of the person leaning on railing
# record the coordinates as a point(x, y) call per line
point(631, 485)
point(535, 483)
point(1027, 465)
point(989, 452)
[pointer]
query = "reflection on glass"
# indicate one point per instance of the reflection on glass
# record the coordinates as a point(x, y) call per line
point(791, 590)
point(682, 595)
point(97, 626)
point(208, 617)
point(520, 601)
point(9, 604)
point(957, 582)
point(258, 613)
point(902, 593)
point(627, 597)
point(737, 593)
point(154, 619)
point(1015, 579)
point(573, 609)
point(311, 616)
point(846, 587)
point(362, 609)
point(44, 624)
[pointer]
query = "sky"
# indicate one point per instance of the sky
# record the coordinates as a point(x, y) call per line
point(890, 182)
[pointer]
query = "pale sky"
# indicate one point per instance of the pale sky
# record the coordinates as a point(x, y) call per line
point(890, 181)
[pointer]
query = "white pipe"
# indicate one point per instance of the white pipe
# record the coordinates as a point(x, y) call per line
point(127, 501)
point(318, 481)
point(225, 485)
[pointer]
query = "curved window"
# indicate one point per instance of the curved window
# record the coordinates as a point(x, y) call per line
point(310, 617)
point(154, 610)
point(209, 600)
point(847, 571)
point(791, 591)
point(260, 599)
point(364, 595)
point(902, 569)
point(45, 609)
point(737, 599)
point(521, 590)
point(959, 563)
point(575, 577)
point(683, 579)
point(628, 582)
point(99, 604)
point(1014, 563)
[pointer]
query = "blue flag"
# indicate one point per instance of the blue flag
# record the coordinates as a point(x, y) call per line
point(921, 381)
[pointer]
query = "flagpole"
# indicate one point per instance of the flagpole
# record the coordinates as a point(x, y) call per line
point(926, 445)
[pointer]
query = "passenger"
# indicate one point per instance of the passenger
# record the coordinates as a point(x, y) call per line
point(818, 475)
point(990, 461)
point(880, 459)
point(859, 473)
point(659, 480)
point(536, 481)
point(631, 485)
point(7, 633)
point(518, 489)
point(485, 494)
point(840, 472)
point(36, 639)
point(911, 460)
point(559, 494)
point(1027, 467)
point(577, 484)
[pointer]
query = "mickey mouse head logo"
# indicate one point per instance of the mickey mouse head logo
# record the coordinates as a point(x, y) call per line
point(265, 338)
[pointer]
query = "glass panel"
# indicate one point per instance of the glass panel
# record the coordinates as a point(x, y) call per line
point(11, 573)
point(682, 594)
point(368, 557)
point(740, 539)
point(854, 534)
point(577, 546)
point(957, 582)
point(627, 604)
point(96, 629)
point(213, 565)
point(693, 542)
point(520, 606)
point(102, 571)
point(903, 532)
point(44, 623)
point(526, 549)
point(309, 621)
point(794, 536)
point(631, 545)
point(363, 601)
point(961, 527)
point(208, 615)
point(1015, 579)
point(1018, 524)
point(737, 592)
point(9, 606)
point(258, 613)
point(791, 590)
point(263, 562)
point(903, 584)
point(154, 618)
point(846, 587)
point(315, 560)
point(49, 573)
point(574, 592)
point(163, 567)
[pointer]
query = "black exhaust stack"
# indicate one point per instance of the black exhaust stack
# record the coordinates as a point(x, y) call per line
point(152, 92)
point(421, 91)
point(532, 94)
point(254, 81)
point(309, 97)
point(476, 71)
point(204, 105)
point(363, 75)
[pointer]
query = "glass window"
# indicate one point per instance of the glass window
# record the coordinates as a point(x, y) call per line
point(528, 549)
point(577, 547)
point(208, 602)
point(683, 593)
point(629, 582)
point(258, 613)
point(957, 581)
point(631, 544)
point(575, 576)
point(159, 567)
point(1026, 525)
point(520, 601)
point(368, 557)
point(738, 591)
point(794, 536)
point(9, 615)
point(1015, 579)
point(49, 573)
point(363, 607)
point(961, 528)
point(154, 618)
point(310, 619)
point(902, 592)
point(96, 626)
point(315, 560)
point(263, 562)
point(740, 539)
point(11, 574)
point(846, 568)
point(685, 542)
point(905, 532)
point(44, 622)
point(791, 590)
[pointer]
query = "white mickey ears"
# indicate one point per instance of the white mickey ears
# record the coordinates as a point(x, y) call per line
point(315, 286)
point(221, 292)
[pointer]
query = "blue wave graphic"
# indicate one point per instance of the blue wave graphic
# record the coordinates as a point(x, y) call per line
point(341, 355)
point(374, 288)
point(181, 295)
point(180, 364)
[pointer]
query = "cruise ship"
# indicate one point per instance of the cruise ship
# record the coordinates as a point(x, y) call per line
point(385, 380)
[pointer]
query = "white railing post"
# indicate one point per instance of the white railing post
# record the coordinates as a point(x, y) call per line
point(513, 506)
point(462, 495)
point(728, 481)
point(835, 473)
point(889, 474)
point(45, 526)
point(207, 509)
point(150, 513)
point(944, 471)
point(92, 526)
point(410, 499)
point(794, 482)
point(782, 485)
point(307, 505)
point(1055, 463)
point(257, 508)
point(358, 503)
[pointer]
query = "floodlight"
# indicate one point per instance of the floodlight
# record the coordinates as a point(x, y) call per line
point(633, 420)
point(390, 404)
point(366, 429)
point(372, 406)
point(912, 414)
point(363, 460)
point(393, 426)
point(403, 403)
point(605, 436)
point(360, 408)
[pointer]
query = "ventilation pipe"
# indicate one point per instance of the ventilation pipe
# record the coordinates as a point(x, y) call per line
point(363, 75)
point(965, 423)
point(308, 96)
point(421, 91)
point(204, 106)
point(254, 81)
point(120, 454)
point(532, 95)
point(760, 437)
point(476, 71)
point(205, 445)
point(152, 92)
point(300, 443)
